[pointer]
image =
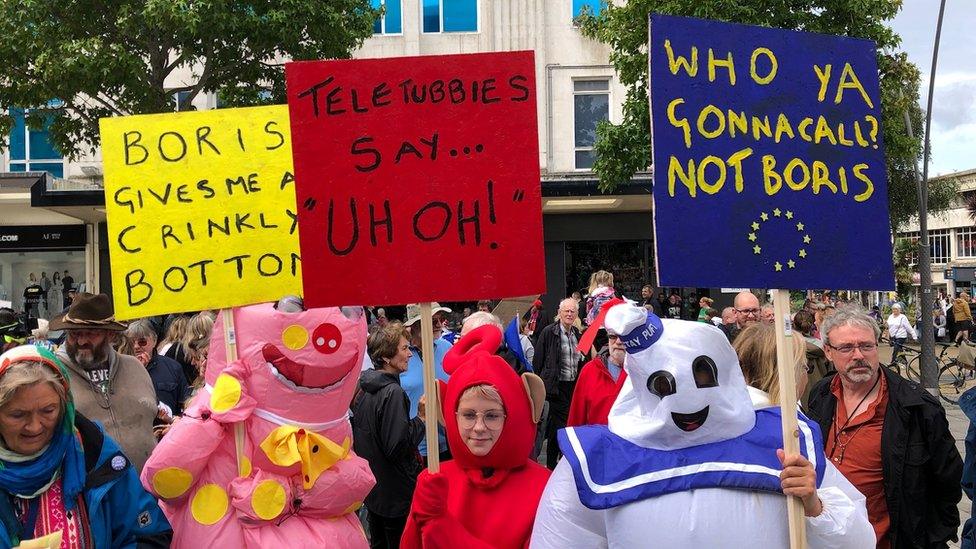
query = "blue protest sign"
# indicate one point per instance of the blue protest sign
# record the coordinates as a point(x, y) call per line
point(769, 168)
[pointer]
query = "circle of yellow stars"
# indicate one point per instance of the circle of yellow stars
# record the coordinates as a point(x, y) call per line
point(787, 216)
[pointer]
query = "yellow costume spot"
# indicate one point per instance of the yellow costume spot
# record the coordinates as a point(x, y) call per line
point(171, 482)
point(268, 499)
point(353, 508)
point(226, 393)
point(209, 504)
point(294, 337)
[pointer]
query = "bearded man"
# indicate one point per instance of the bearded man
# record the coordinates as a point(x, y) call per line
point(107, 387)
point(888, 436)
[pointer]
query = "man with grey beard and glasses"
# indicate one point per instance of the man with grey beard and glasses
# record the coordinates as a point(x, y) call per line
point(107, 387)
point(888, 436)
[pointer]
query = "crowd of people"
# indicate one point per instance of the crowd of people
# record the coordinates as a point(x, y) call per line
point(78, 423)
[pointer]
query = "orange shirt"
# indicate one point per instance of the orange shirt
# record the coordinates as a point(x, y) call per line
point(856, 451)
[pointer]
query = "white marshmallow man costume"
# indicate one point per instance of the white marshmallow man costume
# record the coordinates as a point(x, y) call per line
point(686, 461)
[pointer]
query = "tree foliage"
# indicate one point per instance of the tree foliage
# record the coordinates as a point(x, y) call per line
point(75, 61)
point(624, 149)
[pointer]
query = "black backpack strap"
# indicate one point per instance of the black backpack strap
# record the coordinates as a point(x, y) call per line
point(92, 439)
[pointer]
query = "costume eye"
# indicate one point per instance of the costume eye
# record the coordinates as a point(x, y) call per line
point(661, 383)
point(705, 371)
point(327, 338)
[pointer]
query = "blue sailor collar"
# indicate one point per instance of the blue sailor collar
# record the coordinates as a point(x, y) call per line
point(611, 471)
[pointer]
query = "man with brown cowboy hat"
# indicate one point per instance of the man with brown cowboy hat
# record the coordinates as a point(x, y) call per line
point(108, 387)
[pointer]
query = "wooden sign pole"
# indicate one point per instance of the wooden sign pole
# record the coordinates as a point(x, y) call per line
point(230, 347)
point(787, 398)
point(430, 387)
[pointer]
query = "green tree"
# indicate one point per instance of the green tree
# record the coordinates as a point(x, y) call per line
point(75, 61)
point(624, 149)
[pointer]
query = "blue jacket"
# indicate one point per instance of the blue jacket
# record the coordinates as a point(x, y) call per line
point(120, 512)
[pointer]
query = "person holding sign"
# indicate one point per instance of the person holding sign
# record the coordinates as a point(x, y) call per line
point(487, 496)
point(686, 460)
point(888, 436)
point(61, 476)
point(293, 481)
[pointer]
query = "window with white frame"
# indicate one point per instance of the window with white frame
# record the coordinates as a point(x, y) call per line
point(32, 150)
point(593, 6)
point(939, 246)
point(390, 22)
point(966, 241)
point(911, 237)
point(591, 105)
point(450, 15)
point(939, 242)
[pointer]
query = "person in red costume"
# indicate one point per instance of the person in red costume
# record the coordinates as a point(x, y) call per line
point(598, 385)
point(486, 497)
point(601, 378)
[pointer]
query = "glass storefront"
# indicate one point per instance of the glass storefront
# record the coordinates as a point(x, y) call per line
point(629, 261)
point(21, 273)
point(35, 263)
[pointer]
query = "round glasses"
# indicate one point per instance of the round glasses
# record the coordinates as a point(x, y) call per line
point(493, 419)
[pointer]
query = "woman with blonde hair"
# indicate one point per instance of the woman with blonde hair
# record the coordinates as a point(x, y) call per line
point(756, 348)
point(600, 291)
point(196, 342)
point(171, 345)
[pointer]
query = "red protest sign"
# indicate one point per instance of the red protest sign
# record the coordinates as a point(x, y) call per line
point(417, 178)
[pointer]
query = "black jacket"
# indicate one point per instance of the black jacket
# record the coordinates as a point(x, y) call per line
point(919, 462)
point(545, 362)
point(386, 437)
point(169, 382)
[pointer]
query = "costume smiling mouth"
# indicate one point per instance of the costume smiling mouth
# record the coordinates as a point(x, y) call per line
point(291, 370)
point(692, 421)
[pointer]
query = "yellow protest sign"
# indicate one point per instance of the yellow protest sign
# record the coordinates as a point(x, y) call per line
point(201, 210)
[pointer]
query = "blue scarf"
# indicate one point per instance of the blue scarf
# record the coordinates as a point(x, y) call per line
point(64, 453)
point(611, 471)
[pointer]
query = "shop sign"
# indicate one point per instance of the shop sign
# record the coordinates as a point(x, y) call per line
point(34, 237)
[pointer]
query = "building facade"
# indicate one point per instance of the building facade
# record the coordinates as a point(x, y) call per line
point(576, 89)
point(952, 240)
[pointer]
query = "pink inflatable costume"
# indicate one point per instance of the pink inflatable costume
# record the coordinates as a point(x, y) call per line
point(291, 387)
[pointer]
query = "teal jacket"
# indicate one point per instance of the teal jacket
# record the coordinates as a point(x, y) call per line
point(120, 512)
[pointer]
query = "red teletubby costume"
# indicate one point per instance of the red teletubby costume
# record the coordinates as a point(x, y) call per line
point(488, 501)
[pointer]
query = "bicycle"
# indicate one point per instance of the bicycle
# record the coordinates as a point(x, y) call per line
point(953, 374)
point(953, 378)
point(902, 365)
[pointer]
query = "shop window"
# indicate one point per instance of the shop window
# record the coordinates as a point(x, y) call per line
point(592, 6)
point(390, 22)
point(627, 260)
point(966, 241)
point(591, 105)
point(450, 15)
point(32, 150)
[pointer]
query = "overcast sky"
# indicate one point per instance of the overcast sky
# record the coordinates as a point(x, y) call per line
point(954, 107)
